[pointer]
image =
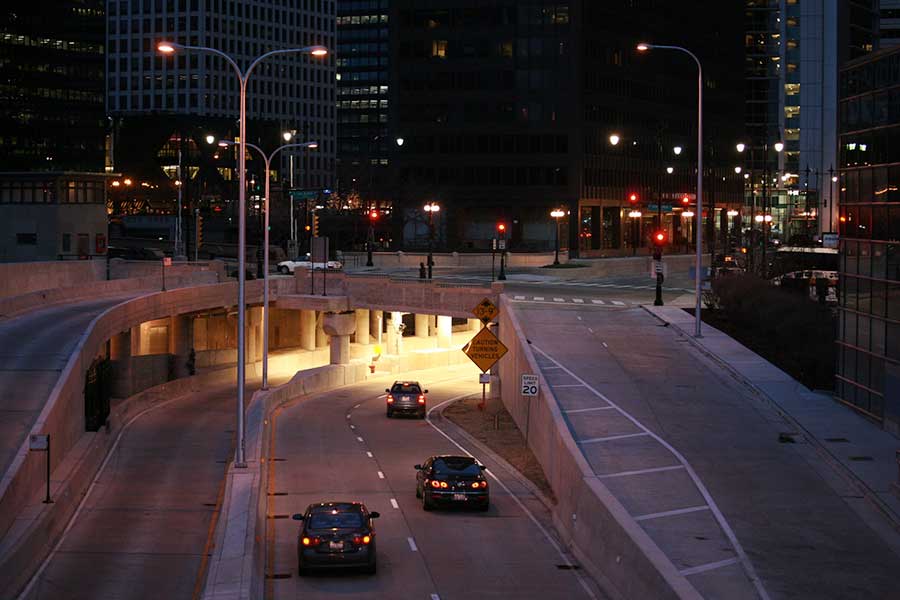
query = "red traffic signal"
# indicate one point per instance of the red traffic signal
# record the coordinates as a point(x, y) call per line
point(501, 227)
point(373, 214)
point(659, 237)
point(685, 200)
point(633, 198)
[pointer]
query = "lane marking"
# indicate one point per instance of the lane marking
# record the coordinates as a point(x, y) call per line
point(348, 416)
point(550, 368)
point(412, 544)
point(356, 406)
point(358, 439)
point(394, 504)
point(559, 299)
point(641, 471)
point(539, 298)
point(369, 454)
point(670, 513)
point(577, 300)
point(380, 475)
point(617, 303)
point(584, 410)
point(709, 566)
point(590, 330)
point(352, 426)
point(598, 301)
point(519, 297)
point(540, 527)
point(564, 385)
point(604, 344)
point(612, 438)
point(435, 597)
point(720, 518)
point(580, 319)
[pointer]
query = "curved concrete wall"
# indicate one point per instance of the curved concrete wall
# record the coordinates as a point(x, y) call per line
point(607, 541)
point(453, 259)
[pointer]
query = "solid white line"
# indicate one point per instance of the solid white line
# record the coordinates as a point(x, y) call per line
point(720, 518)
point(584, 410)
point(358, 439)
point(641, 471)
point(369, 454)
point(539, 298)
point(671, 513)
point(394, 504)
point(412, 544)
point(709, 566)
point(380, 475)
point(34, 579)
point(566, 385)
point(550, 368)
point(612, 438)
point(565, 559)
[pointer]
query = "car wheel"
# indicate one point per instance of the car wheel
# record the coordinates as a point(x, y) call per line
point(390, 414)
point(284, 270)
point(485, 507)
point(426, 503)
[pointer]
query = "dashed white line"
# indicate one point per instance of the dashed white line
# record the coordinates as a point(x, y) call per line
point(617, 303)
point(348, 415)
point(356, 406)
point(353, 427)
point(394, 504)
point(612, 437)
point(641, 471)
point(539, 298)
point(580, 319)
point(519, 297)
point(435, 597)
point(369, 454)
point(412, 544)
point(559, 299)
point(577, 300)
point(670, 513)
point(358, 439)
point(380, 475)
point(604, 344)
point(598, 301)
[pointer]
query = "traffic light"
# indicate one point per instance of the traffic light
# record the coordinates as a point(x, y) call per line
point(659, 238)
point(633, 198)
point(199, 230)
point(501, 228)
point(685, 200)
point(373, 215)
point(315, 225)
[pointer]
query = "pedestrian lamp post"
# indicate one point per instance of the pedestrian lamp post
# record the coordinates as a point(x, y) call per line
point(644, 47)
point(431, 208)
point(243, 76)
point(557, 214)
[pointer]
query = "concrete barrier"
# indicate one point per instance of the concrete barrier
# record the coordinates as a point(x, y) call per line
point(607, 541)
point(24, 278)
point(453, 259)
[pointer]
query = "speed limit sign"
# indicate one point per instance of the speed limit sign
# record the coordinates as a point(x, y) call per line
point(529, 385)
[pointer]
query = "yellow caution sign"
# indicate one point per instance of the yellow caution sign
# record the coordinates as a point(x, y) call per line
point(486, 311)
point(485, 349)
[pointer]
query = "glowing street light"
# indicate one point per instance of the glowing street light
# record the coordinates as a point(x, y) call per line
point(677, 150)
point(741, 147)
point(614, 139)
point(557, 213)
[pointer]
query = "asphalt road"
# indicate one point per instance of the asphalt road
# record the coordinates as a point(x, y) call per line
point(790, 513)
point(34, 349)
point(341, 446)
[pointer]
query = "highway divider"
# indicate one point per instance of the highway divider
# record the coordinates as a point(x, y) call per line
point(607, 541)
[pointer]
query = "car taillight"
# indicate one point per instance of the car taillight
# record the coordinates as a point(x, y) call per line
point(421, 399)
point(365, 539)
point(475, 484)
point(438, 484)
point(484, 484)
point(390, 398)
point(310, 541)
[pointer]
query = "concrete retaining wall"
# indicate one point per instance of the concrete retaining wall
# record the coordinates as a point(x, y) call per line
point(607, 541)
point(452, 259)
point(23, 278)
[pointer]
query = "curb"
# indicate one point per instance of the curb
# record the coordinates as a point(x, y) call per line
point(832, 461)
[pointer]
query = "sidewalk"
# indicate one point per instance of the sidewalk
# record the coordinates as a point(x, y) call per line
point(858, 449)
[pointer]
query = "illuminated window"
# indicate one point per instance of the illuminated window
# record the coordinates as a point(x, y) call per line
point(439, 48)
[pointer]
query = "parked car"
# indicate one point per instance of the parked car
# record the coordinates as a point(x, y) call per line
point(406, 397)
point(336, 535)
point(447, 480)
point(287, 267)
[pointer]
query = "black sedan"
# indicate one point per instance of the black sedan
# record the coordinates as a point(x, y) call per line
point(336, 535)
point(449, 480)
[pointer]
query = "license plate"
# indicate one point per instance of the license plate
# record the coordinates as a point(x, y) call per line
point(336, 545)
point(461, 497)
point(405, 398)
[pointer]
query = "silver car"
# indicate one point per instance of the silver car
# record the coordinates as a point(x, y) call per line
point(406, 397)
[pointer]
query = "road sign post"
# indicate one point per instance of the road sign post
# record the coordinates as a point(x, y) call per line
point(530, 387)
point(41, 443)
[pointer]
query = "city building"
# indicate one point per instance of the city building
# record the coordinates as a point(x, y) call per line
point(164, 106)
point(51, 104)
point(868, 375)
point(889, 24)
point(52, 215)
point(509, 110)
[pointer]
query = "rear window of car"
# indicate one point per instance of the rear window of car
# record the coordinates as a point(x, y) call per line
point(462, 465)
point(339, 520)
point(405, 388)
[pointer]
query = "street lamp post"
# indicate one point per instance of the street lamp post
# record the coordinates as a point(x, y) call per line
point(431, 208)
point(643, 47)
point(267, 160)
point(243, 77)
point(557, 214)
point(766, 217)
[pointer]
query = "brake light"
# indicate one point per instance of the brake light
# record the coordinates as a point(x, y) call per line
point(310, 541)
point(421, 399)
point(475, 484)
point(438, 484)
point(390, 398)
point(362, 539)
point(484, 484)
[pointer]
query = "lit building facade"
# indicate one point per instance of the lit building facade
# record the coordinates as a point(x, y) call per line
point(889, 24)
point(868, 376)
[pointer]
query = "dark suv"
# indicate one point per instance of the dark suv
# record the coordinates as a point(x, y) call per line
point(406, 397)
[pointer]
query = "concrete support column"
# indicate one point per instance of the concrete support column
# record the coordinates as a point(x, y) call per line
point(445, 331)
point(254, 334)
point(120, 355)
point(432, 325)
point(422, 323)
point(181, 340)
point(339, 326)
point(376, 324)
point(362, 326)
point(308, 329)
point(321, 336)
point(474, 324)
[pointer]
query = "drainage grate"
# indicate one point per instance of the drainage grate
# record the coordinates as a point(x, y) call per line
point(838, 440)
point(278, 575)
point(279, 516)
point(568, 567)
point(861, 458)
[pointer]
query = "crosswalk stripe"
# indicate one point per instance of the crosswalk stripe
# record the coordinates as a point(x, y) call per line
point(519, 297)
point(598, 301)
point(578, 300)
point(559, 299)
point(539, 298)
point(617, 303)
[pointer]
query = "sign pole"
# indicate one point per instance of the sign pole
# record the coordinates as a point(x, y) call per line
point(47, 500)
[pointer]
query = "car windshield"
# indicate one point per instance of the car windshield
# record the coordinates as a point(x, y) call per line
point(335, 520)
point(456, 465)
point(406, 388)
